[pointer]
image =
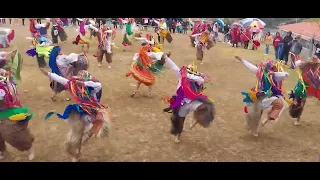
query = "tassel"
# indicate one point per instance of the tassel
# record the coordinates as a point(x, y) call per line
point(32, 52)
point(129, 74)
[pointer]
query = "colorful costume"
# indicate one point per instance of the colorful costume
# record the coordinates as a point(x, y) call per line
point(57, 30)
point(197, 29)
point(308, 85)
point(42, 46)
point(202, 41)
point(145, 65)
point(37, 29)
point(105, 38)
point(189, 97)
point(65, 66)
point(129, 32)
point(163, 33)
point(87, 116)
point(13, 118)
point(154, 46)
point(6, 36)
point(266, 93)
point(85, 32)
point(86, 92)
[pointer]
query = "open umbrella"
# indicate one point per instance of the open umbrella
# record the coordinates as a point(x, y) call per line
point(257, 24)
point(236, 24)
point(219, 21)
point(248, 21)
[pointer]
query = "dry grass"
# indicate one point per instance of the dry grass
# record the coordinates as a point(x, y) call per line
point(141, 130)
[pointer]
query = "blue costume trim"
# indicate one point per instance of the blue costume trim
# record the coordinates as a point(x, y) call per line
point(247, 99)
point(68, 110)
point(52, 60)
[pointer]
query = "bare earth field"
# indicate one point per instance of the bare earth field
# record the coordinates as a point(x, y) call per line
point(140, 130)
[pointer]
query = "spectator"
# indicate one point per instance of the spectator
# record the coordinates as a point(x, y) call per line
point(296, 48)
point(10, 21)
point(74, 21)
point(268, 42)
point(245, 38)
point(174, 26)
point(179, 27)
point(226, 33)
point(23, 21)
point(215, 29)
point(169, 25)
point(276, 41)
point(317, 51)
point(235, 36)
point(115, 23)
point(286, 47)
point(185, 25)
point(39, 20)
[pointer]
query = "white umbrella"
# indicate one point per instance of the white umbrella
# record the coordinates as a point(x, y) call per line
point(250, 20)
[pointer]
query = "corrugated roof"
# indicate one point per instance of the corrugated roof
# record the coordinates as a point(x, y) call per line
point(305, 29)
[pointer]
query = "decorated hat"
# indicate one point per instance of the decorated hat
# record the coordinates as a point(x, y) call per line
point(73, 57)
point(192, 69)
point(85, 75)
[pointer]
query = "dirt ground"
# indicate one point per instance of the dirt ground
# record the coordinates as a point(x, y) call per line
point(140, 130)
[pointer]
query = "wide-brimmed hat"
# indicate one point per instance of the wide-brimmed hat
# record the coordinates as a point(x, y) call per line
point(92, 22)
point(71, 58)
point(108, 31)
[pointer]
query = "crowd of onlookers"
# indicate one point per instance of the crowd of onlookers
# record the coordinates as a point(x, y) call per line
point(12, 21)
point(285, 48)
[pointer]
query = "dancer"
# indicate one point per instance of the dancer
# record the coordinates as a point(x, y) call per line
point(41, 47)
point(105, 37)
point(163, 33)
point(65, 66)
point(308, 85)
point(87, 116)
point(154, 46)
point(198, 28)
point(37, 28)
point(6, 36)
point(202, 41)
point(14, 118)
point(129, 32)
point(85, 33)
point(266, 93)
point(57, 30)
point(189, 98)
point(145, 65)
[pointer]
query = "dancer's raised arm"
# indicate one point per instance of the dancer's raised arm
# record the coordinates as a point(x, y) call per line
point(281, 75)
point(173, 66)
point(64, 81)
point(250, 66)
point(195, 35)
point(157, 22)
point(192, 23)
point(93, 28)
